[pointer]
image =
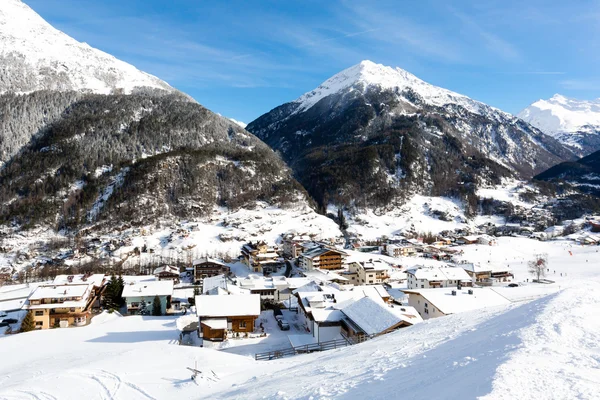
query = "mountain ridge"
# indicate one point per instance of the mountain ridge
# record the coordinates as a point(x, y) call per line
point(576, 123)
point(36, 56)
point(403, 131)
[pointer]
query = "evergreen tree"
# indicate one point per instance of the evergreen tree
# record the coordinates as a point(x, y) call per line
point(28, 323)
point(156, 307)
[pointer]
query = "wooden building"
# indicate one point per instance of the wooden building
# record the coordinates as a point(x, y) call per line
point(322, 257)
point(209, 267)
point(226, 315)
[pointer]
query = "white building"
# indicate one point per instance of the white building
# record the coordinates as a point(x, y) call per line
point(433, 303)
point(436, 277)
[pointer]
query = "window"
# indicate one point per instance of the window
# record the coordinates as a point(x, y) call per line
point(39, 313)
point(422, 286)
point(425, 305)
point(39, 323)
point(72, 309)
point(242, 324)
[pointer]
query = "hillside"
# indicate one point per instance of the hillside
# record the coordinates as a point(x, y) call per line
point(575, 123)
point(584, 174)
point(44, 71)
point(371, 136)
point(137, 158)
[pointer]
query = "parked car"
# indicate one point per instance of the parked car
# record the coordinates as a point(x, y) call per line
point(283, 324)
point(9, 321)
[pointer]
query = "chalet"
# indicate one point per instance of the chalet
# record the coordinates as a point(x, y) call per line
point(68, 301)
point(400, 250)
point(61, 305)
point(261, 258)
point(220, 316)
point(368, 318)
point(468, 240)
point(322, 257)
point(167, 272)
point(479, 274)
point(207, 267)
point(139, 296)
point(487, 240)
point(436, 277)
point(369, 273)
point(433, 303)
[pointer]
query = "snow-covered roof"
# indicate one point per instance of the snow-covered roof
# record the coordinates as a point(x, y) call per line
point(215, 323)
point(228, 306)
point(166, 269)
point(208, 260)
point(443, 299)
point(150, 288)
point(214, 282)
point(374, 317)
point(327, 315)
point(138, 278)
point(374, 291)
point(95, 279)
point(439, 273)
point(319, 251)
point(60, 291)
point(322, 276)
point(470, 238)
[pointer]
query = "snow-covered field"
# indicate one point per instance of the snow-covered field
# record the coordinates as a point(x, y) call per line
point(545, 348)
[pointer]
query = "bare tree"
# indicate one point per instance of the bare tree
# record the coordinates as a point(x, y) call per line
point(538, 266)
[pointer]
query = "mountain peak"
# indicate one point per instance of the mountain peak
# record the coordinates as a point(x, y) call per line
point(561, 114)
point(368, 74)
point(36, 56)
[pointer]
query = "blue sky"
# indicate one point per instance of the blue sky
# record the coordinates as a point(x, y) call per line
point(241, 58)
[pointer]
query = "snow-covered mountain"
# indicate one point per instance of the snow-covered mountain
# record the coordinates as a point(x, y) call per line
point(36, 56)
point(372, 134)
point(367, 74)
point(574, 122)
point(128, 140)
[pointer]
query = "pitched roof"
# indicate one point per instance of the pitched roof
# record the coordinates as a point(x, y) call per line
point(228, 305)
point(374, 317)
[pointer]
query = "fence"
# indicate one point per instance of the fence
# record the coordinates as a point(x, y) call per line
point(308, 348)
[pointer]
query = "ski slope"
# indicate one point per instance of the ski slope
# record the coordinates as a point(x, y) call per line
point(544, 348)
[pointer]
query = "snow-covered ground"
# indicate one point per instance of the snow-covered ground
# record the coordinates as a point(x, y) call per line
point(221, 235)
point(418, 215)
point(545, 348)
